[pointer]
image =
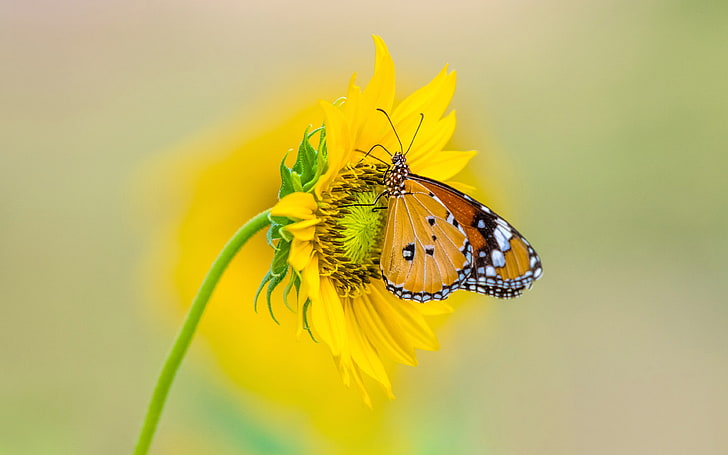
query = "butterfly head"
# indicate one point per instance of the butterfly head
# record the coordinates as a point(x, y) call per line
point(398, 159)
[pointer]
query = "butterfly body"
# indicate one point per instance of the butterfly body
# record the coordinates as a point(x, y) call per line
point(438, 240)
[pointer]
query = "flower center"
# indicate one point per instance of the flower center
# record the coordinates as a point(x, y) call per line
point(351, 235)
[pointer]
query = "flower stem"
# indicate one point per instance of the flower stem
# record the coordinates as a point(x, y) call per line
point(184, 337)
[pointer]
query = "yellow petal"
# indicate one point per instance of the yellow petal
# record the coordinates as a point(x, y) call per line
point(310, 281)
point(327, 316)
point(362, 352)
point(300, 206)
point(346, 125)
point(410, 319)
point(351, 108)
point(381, 323)
point(431, 100)
point(379, 93)
point(338, 143)
point(443, 165)
point(430, 141)
point(360, 384)
point(436, 308)
point(369, 124)
point(303, 230)
point(301, 254)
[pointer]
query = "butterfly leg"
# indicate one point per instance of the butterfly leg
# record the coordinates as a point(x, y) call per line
point(373, 205)
point(366, 154)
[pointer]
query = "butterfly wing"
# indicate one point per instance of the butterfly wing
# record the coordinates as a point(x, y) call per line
point(425, 254)
point(503, 262)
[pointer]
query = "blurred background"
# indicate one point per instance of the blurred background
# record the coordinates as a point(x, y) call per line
point(602, 127)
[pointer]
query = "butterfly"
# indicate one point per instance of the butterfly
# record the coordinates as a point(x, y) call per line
point(438, 240)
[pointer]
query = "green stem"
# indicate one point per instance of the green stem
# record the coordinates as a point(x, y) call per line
point(184, 337)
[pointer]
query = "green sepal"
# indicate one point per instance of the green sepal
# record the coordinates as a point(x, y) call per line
point(321, 160)
point(306, 326)
point(286, 179)
point(311, 163)
point(296, 180)
point(266, 279)
point(275, 276)
point(307, 163)
point(295, 281)
point(276, 231)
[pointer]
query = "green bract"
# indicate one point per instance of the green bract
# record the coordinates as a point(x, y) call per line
point(310, 164)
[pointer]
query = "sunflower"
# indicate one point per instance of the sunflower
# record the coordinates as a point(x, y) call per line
point(329, 235)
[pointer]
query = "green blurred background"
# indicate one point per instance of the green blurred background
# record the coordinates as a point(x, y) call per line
point(611, 118)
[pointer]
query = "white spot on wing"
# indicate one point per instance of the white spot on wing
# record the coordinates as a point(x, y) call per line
point(502, 236)
point(498, 259)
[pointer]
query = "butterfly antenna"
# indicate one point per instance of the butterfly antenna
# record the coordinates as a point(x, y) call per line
point(366, 154)
point(422, 119)
point(401, 148)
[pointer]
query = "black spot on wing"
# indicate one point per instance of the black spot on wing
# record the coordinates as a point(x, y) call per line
point(408, 252)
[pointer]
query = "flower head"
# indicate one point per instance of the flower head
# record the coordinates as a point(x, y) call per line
point(327, 236)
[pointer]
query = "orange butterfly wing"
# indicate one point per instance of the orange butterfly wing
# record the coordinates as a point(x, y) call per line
point(503, 262)
point(425, 254)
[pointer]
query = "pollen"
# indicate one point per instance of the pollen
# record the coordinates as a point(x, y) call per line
point(350, 236)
